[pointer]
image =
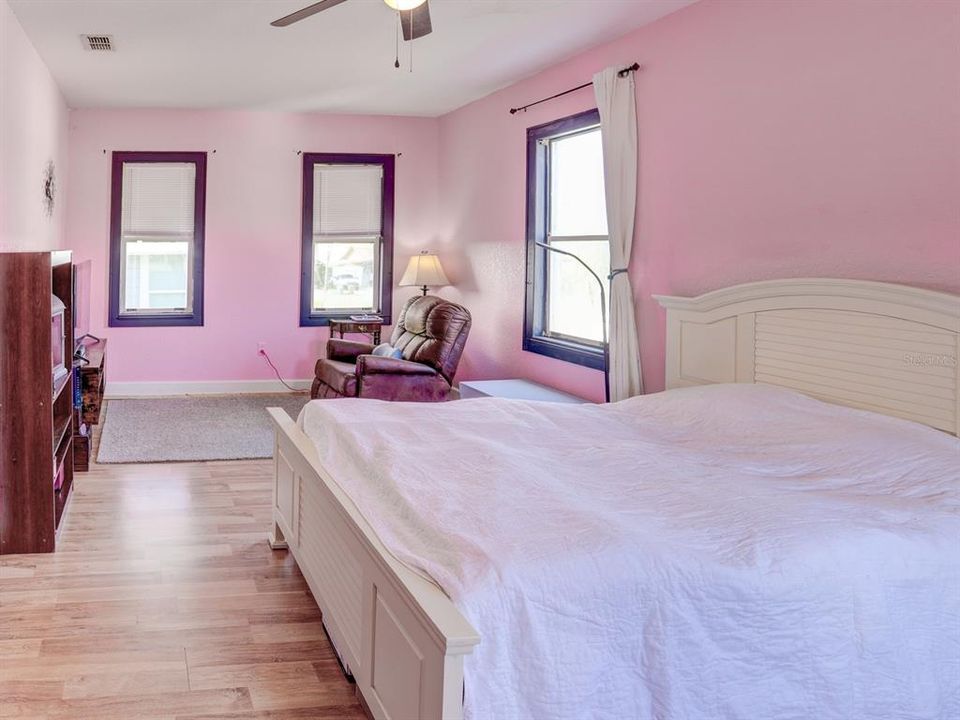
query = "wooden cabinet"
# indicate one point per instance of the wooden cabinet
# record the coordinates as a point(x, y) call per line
point(91, 374)
point(36, 404)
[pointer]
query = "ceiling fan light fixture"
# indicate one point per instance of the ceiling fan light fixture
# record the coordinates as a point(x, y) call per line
point(404, 4)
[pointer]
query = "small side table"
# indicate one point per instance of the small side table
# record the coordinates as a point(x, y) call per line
point(352, 326)
point(515, 390)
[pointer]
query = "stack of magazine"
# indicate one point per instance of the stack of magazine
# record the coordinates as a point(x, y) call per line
point(366, 318)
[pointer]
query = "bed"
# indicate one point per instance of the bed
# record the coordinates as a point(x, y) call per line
point(749, 551)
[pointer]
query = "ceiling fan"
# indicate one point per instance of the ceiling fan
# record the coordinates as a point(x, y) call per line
point(414, 15)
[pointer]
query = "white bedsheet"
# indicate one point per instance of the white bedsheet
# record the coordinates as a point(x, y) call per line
point(730, 551)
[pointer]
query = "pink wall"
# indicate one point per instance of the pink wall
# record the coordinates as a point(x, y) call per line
point(778, 139)
point(33, 132)
point(252, 229)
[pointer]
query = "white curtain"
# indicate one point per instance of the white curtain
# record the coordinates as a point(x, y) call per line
point(618, 129)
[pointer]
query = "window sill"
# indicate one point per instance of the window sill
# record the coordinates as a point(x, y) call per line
point(586, 355)
point(161, 320)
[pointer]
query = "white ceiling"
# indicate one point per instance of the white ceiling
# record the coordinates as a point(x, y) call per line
point(225, 54)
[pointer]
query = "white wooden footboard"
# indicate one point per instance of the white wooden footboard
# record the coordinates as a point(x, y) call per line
point(399, 635)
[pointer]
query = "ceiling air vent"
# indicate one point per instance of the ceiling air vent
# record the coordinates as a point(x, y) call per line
point(99, 43)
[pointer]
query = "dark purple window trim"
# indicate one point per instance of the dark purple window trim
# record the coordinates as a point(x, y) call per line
point(195, 317)
point(538, 209)
point(312, 319)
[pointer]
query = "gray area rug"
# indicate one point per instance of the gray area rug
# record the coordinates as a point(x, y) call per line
point(218, 427)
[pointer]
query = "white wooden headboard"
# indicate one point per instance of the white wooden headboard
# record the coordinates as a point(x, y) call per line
point(888, 348)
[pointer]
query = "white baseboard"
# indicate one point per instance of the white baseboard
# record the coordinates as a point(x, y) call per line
point(199, 387)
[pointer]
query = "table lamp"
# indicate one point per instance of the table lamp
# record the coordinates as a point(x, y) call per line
point(424, 270)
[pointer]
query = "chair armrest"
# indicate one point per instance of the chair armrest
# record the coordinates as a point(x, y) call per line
point(376, 365)
point(346, 350)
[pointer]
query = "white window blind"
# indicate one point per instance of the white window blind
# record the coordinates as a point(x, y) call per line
point(157, 237)
point(347, 199)
point(158, 201)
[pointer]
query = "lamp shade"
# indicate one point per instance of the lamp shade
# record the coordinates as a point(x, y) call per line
point(424, 270)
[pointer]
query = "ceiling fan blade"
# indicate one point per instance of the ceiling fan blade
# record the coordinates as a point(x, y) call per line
point(416, 22)
point(305, 12)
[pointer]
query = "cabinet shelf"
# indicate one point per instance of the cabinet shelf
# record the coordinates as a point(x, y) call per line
point(63, 437)
point(62, 384)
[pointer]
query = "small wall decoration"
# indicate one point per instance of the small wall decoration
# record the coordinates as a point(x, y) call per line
point(49, 188)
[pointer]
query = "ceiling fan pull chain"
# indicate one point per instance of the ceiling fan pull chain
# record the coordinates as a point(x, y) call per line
point(396, 61)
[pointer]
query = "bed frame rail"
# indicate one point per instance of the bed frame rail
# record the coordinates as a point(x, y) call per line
point(398, 634)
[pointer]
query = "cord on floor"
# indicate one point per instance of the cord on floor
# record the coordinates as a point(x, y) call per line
point(277, 373)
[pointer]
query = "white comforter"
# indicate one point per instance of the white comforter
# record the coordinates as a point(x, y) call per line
point(732, 551)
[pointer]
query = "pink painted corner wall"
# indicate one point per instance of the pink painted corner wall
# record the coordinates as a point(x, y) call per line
point(33, 132)
point(777, 139)
point(252, 260)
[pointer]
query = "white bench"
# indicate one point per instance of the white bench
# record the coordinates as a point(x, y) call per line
point(515, 390)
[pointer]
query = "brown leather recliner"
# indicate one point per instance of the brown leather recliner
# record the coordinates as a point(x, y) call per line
point(430, 334)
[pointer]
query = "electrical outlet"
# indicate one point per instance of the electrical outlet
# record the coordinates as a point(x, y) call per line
point(261, 348)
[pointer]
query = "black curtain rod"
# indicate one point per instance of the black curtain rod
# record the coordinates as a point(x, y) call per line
point(621, 73)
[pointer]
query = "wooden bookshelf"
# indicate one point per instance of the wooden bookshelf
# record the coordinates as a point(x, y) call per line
point(36, 414)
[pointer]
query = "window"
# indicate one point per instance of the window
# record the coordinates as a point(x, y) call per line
point(566, 208)
point(156, 238)
point(347, 251)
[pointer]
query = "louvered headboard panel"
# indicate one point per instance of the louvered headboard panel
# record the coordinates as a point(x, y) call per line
point(887, 348)
point(873, 362)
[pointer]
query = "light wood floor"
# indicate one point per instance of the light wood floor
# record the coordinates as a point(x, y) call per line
point(164, 602)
